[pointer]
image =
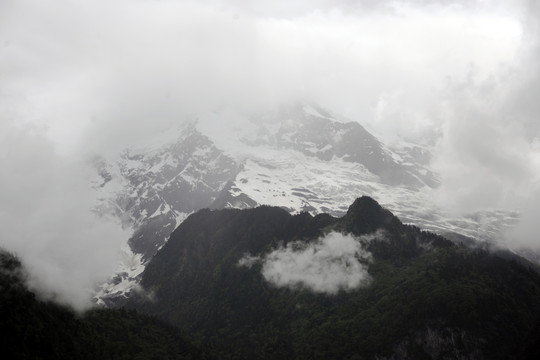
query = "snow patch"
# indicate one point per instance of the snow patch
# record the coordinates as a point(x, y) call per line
point(310, 110)
point(126, 278)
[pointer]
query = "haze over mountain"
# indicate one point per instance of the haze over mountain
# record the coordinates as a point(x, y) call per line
point(83, 81)
point(299, 157)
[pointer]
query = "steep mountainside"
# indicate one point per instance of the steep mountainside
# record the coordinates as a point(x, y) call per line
point(314, 131)
point(299, 158)
point(262, 283)
point(159, 187)
point(154, 190)
point(34, 329)
point(303, 158)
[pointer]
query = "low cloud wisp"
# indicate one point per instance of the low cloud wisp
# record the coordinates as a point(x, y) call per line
point(46, 219)
point(331, 263)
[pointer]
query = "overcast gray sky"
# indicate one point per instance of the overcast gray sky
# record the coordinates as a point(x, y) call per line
point(84, 77)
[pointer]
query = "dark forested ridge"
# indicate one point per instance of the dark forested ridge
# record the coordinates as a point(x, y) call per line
point(34, 329)
point(426, 298)
point(429, 298)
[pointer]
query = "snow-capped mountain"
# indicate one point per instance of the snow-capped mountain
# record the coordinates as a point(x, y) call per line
point(154, 190)
point(315, 132)
point(304, 158)
point(300, 158)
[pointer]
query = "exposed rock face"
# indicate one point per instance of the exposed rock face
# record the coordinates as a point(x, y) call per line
point(153, 191)
point(315, 132)
point(159, 188)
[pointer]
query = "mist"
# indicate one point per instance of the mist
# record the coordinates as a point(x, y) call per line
point(46, 219)
point(103, 75)
point(83, 78)
point(327, 265)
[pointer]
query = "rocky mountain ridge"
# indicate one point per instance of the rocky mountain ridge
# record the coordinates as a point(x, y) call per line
point(154, 191)
point(300, 158)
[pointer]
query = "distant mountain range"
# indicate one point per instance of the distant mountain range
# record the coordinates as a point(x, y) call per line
point(299, 157)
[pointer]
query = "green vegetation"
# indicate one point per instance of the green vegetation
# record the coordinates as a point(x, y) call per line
point(429, 298)
point(34, 329)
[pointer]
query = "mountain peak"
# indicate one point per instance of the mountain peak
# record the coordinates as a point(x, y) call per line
point(365, 202)
point(366, 215)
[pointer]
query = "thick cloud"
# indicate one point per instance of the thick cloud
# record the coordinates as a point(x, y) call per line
point(46, 219)
point(330, 264)
point(104, 74)
point(488, 153)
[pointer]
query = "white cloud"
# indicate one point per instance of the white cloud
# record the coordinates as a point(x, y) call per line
point(525, 234)
point(488, 153)
point(327, 265)
point(104, 74)
point(46, 219)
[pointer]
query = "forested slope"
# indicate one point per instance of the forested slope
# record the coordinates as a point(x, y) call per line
point(35, 329)
point(424, 297)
